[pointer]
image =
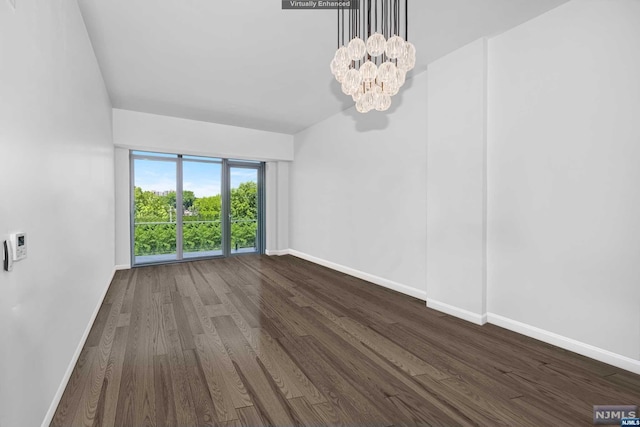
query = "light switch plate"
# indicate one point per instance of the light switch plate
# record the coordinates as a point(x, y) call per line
point(12, 3)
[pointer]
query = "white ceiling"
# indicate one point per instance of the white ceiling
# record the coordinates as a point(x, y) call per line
point(251, 64)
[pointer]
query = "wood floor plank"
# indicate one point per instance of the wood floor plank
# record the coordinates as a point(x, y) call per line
point(106, 415)
point(217, 310)
point(183, 323)
point(305, 412)
point(285, 384)
point(144, 403)
point(195, 325)
point(349, 402)
point(484, 406)
point(625, 382)
point(165, 400)
point(225, 387)
point(250, 417)
point(120, 280)
point(332, 415)
point(134, 405)
point(185, 409)
point(124, 319)
point(98, 326)
point(157, 325)
point(168, 318)
point(131, 288)
point(384, 379)
point(202, 401)
point(253, 378)
point(88, 405)
point(68, 405)
point(397, 355)
point(447, 364)
point(256, 340)
point(290, 374)
point(199, 309)
point(204, 290)
point(216, 282)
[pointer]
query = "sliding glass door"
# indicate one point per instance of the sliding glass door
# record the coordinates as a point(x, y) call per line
point(202, 200)
point(244, 202)
point(154, 210)
point(187, 207)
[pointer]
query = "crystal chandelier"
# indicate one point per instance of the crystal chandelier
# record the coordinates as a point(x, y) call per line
point(373, 65)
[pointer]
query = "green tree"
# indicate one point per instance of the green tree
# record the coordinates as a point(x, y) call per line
point(208, 208)
point(150, 207)
point(244, 201)
point(188, 197)
point(244, 214)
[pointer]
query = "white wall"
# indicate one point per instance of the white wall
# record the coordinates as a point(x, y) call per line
point(142, 131)
point(563, 156)
point(282, 207)
point(358, 191)
point(456, 185)
point(56, 182)
point(150, 132)
point(277, 195)
point(122, 209)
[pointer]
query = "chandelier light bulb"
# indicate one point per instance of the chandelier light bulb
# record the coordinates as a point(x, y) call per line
point(407, 60)
point(369, 71)
point(351, 82)
point(358, 95)
point(342, 56)
point(368, 101)
point(357, 49)
point(338, 70)
point(387, 72)
point(376, 44)
point(391, 88)
point(395, 47)
point(404, 64)
point(383, 102)
point(410, 50)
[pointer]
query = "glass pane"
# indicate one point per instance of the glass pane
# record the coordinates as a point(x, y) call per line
point(155, 214)
point(202, 209)
point(244, 209)
point(203, 159)
point(159, 155)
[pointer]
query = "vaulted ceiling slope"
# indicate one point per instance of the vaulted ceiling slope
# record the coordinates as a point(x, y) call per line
point(251, 64)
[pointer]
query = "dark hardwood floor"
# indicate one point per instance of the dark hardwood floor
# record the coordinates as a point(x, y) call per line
point(256, 340)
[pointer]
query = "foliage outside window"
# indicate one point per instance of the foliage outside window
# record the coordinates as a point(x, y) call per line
point(155, 221)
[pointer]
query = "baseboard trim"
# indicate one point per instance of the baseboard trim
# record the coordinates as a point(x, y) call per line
point(398, 287)
point(277, 252)
point(123, 267)
point(65, 380)
point(461, 313)
point(570, 344)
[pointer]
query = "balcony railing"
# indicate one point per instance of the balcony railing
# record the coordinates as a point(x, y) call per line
point(159, 238)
